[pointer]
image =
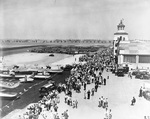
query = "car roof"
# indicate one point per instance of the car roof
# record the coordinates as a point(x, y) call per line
point(47, 85)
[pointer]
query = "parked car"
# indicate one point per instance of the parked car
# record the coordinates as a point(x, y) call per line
point(142, 75)
point(120, 71)
point(126, 69)
point(136, 71)
point(44, 90)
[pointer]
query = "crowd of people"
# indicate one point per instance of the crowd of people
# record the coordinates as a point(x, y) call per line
point(47, 103)
point(86, 74)
point(89, 71)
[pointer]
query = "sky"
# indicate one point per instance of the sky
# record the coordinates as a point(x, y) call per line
point(73, 19)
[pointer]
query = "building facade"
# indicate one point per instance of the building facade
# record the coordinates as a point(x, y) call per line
point(135, 53)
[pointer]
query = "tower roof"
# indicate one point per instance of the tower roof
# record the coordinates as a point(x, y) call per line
point(121, 24)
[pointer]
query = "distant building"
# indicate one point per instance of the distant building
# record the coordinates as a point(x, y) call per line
point(135, 53)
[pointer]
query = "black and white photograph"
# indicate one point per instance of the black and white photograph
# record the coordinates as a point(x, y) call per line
point(75, 59)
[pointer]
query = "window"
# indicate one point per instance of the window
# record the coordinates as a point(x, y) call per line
point(144, 59)
point(129, 58)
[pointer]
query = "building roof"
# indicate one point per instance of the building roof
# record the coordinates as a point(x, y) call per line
point(121, 24)
point(136, 48)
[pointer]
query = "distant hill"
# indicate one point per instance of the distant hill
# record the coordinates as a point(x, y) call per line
point(75, 42)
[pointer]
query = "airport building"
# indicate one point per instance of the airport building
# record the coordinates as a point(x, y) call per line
point(135, 53)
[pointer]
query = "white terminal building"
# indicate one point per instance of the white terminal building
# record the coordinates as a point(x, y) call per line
point(135, 53)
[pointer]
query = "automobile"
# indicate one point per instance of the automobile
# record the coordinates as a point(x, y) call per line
point(138, 75)
point(120, 71)
point(136, 71)
point(52, 55)
point(126, 69)
point(45, 89)
point(142, 75)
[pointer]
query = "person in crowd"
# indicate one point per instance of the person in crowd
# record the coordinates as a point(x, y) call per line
point(92, 90)
point(92, 78)
point(84, 85)
point(130, 74)
point(106, 114)
point(101, 101)
point(70, 100)
point(85, 94)
point(96, 87)
point(70, 93)
point(133, 101)
point(66, 114)
point(106, 103)
point(73, 104)
point(48, 103)
point(76, 104)
point(104, 81)
point(141, 92)
point(110, 114)
point(55, 108)
point(88, 94)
